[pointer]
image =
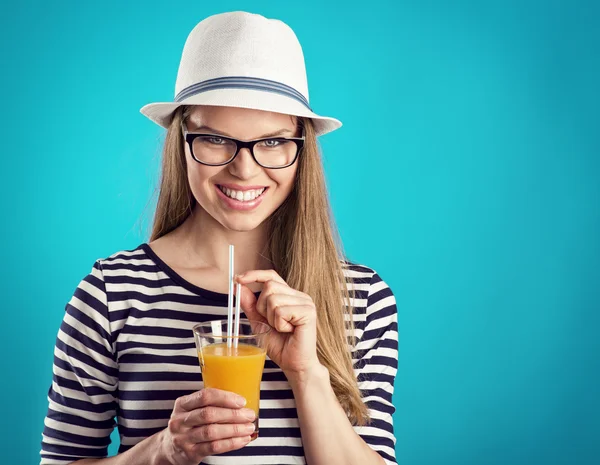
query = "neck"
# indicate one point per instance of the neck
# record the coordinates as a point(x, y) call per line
point(206, 243)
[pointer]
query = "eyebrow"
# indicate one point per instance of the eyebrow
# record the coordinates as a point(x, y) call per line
point(281, 132)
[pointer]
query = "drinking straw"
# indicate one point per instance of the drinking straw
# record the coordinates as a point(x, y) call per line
point(230, 300)
point(238, 298)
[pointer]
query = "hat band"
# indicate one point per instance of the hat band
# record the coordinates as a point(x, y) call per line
point(242, 82)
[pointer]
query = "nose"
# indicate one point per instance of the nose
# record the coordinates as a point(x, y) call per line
point(244, 166)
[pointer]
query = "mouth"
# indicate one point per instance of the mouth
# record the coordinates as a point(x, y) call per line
point(243, 200)
point(242, 196)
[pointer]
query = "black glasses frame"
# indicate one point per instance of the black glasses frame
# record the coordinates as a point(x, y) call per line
point(240, 144)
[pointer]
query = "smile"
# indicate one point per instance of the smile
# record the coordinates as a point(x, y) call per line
point(242, 196)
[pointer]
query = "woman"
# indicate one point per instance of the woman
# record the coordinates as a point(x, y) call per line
point(241, 166)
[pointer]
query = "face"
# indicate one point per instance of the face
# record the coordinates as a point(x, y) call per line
point(243, 177)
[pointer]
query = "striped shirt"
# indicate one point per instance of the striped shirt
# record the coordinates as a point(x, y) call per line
point(125, 351)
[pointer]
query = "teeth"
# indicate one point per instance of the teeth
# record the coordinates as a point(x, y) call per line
point(242, 196)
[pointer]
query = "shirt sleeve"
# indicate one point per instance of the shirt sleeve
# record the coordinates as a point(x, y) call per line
point(377, 366)
point(82, 398)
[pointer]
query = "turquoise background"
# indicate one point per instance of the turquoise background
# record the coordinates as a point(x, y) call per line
point(467, 173)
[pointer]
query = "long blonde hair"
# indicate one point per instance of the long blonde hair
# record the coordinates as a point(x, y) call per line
point(304, 248)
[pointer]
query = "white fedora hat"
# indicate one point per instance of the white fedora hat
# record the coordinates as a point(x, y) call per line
point(244, 60)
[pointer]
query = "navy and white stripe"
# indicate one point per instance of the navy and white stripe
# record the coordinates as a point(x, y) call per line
point(242, 82)
point(125, 350)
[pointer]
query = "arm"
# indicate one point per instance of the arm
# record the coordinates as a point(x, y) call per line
point(327, 435)
point(207, 422)
point(83, 403)
point(81, 399)
point(146, 452)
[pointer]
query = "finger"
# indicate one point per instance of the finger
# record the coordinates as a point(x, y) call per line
point(209, 415)
point(215, 432)
point(282, 294)
point(276, 287)
point(210, 396)
point(248, 304)
point(259, 276)
point(206, 449)
point(288, 317)
point(270, 305)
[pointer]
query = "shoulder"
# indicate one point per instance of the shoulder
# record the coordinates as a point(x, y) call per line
point(95, 281)
point(90, 302)
point(122, 258)
point(363, 278)
point(357, 273)
point(121, 269)
point(374, 304)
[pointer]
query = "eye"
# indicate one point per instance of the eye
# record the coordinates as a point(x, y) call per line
point(272, 143)
point(216, 140)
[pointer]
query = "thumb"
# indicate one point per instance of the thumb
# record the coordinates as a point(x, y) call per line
point(248, 304)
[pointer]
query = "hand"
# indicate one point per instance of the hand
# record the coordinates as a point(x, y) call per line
point(207, 422)
point(292, 344)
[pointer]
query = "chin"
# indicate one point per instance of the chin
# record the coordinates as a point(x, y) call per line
point(242, 224)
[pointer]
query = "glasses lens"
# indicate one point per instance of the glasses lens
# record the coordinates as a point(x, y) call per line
point(213, 150)
point(275, 152)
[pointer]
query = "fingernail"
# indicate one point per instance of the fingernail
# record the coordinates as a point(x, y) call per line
point(249, 414)
point(249, 428)
point(240, 401)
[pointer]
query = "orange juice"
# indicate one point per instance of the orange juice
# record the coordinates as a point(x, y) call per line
point(232, 369)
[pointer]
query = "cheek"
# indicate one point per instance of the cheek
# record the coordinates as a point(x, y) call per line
point(285, 178)
point(198, 177)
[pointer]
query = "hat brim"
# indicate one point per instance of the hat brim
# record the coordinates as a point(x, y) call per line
point(161, 112)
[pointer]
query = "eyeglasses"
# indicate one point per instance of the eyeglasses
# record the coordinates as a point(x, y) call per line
point(217, 150)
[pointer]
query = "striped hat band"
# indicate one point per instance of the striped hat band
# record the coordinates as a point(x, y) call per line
point(242, 82)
